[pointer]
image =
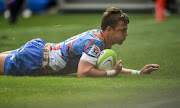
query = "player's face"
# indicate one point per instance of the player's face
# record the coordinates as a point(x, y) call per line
point(119, 33)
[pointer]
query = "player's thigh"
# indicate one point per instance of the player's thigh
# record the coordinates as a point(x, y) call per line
point(2, 59)
point(6, 52)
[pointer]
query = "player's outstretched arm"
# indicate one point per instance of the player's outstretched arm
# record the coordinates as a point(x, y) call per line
point(149, 68)
point(145, 70)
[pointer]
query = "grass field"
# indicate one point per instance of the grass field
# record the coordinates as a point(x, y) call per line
point(148, 42)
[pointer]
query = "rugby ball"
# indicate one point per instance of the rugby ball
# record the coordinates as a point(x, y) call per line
point(107, 59)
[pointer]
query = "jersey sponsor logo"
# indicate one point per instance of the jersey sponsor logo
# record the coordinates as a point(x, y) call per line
point(95, 51)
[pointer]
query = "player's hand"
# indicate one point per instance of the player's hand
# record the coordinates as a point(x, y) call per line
point(149, 68)
point(118, 67)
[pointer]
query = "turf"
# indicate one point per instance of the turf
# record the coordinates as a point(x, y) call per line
point(148, 42)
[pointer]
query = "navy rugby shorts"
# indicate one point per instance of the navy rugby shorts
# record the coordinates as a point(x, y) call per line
point(25, 60)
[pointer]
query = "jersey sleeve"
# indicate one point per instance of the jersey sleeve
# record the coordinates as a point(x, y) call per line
point(93, 48)
point(92, 51)
point(90, 59)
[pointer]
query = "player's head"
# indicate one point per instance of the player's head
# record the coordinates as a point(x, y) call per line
point(112, 16)
point(114, 25)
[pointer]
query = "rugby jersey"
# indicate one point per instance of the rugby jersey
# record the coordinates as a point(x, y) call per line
point(67, 54)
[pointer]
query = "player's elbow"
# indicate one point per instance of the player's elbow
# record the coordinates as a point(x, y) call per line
point(82, 74)
point(84, 69)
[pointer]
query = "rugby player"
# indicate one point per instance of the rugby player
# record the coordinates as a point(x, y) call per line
point(77, 54)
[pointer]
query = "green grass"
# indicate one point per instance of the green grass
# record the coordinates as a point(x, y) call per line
point(148, 42)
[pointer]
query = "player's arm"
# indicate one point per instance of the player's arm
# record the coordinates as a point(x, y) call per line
point(87, 63)
point(86, 69)
point(145, 70)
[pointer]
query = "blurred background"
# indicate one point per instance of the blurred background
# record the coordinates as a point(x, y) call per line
point(92, 5)
point(30, 7)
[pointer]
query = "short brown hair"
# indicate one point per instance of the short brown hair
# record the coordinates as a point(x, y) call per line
point(112, 16)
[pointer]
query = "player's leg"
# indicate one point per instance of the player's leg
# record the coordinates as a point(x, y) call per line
point(11, 51)
point(6, 52)
point(23, 61)
point(2, 59)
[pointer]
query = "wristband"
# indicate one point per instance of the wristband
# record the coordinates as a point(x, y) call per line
point(135, 72)
point(111, 72)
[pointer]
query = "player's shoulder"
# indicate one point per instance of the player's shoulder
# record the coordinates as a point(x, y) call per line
point(92, 34)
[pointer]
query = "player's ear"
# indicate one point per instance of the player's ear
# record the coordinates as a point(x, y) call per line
point(109, 28)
